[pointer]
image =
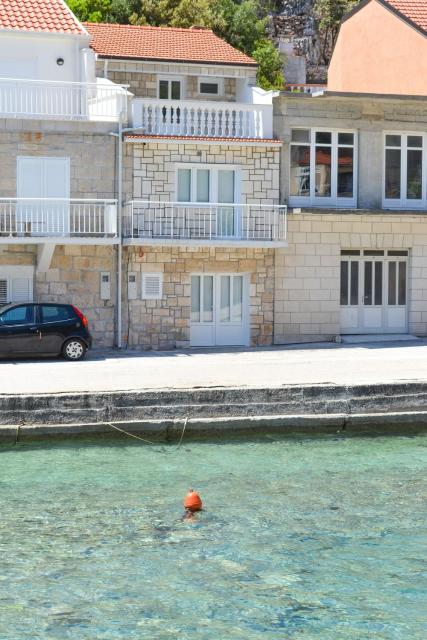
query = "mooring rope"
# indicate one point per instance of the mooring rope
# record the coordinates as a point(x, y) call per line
point(156, 444)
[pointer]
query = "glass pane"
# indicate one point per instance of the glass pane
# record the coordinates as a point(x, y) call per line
point(350, 252)
point(397, 252)
point(391, 283)
point(323, 137)
point(300, 171)
point(237, 310)
point(225, 299)
point(345, 172)
point(225, 221)
point(225, 186)
point(354, 283)
point(392, 173)
point(415, 141)
point(414, 175)
point(209, 87)
point(367, 298)
point(346, 138)
point(323, 172)
point(378, 283)
point(344, 283)
point(207, 298)
point(163, 90)
point(392, 141)
point(202, 194)
point(19, 315)
point(176, 90)
point(56, 314)
point(184, 185)
point(402, 282)
point(301, 135)
point(195, 298)
point(373, 252)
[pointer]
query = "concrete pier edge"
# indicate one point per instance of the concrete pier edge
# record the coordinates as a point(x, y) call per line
point(399, 407)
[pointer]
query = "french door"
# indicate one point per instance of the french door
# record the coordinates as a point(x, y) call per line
point(219, 310)
point(373, 291)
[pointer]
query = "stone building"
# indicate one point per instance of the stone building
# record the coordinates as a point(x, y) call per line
point(204, 218)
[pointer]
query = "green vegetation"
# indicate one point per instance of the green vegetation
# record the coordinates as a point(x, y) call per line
point(330, 13)
point(242, 23)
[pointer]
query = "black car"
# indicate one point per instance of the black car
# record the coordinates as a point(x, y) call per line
point(43, 329)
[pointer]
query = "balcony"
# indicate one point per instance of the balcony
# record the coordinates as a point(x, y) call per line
point(63, 221)
point(220, 225)
point(203, 119)
point(42, 99)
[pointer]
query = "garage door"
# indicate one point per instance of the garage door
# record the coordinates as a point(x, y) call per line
point(16, 284)
point(219, 310)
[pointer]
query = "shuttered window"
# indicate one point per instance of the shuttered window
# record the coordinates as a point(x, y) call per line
point(3, 292)
point(152, 285)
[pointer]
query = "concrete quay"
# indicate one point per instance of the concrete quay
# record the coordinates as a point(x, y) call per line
point(317, 388)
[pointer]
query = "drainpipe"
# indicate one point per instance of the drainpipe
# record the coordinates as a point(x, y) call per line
point(119, 231)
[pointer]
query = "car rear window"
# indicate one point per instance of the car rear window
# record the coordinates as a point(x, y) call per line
point(56, 314)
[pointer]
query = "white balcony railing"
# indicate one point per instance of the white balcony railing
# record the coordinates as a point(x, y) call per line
point(202, 118)
point(61, 100)
point(36, 217)
point(173, 222)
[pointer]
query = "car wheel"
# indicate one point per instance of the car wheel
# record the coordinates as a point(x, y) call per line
point(74, 349)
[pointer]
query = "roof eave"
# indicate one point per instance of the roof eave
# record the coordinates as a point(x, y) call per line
point(103, 56)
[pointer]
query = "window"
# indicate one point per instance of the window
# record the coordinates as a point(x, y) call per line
point(404, 169)
point(206, 184)
point(169, 89)
point(322, 167)
point(18, 315)
point(52, 313)
point(210, 86)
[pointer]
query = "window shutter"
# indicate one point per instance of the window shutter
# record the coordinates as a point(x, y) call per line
point(21, 290)
point(3, 291)
point(152, 286)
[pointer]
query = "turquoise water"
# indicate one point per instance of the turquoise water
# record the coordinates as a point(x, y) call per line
point(301, 538)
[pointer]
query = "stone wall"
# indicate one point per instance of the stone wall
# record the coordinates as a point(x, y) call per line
point(307, 286)
point(155, 165)
point(165, 323)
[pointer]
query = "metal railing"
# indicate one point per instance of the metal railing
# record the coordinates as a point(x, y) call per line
point(217, 221)
point(56, 217)
point(202, 118)
point(61, 100)
point(306, 88)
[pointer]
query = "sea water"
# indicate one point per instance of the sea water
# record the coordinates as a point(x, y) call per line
point(300, 538)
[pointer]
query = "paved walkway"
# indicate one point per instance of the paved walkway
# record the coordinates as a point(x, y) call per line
point(310, 364)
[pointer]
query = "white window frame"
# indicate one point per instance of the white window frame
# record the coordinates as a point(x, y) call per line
point(403, 202)
point(213, 182)
point(10, 273)
point(211, 80)
point(331, 201)
point(169, 78)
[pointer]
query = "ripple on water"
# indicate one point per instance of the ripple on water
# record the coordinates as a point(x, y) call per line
point(301, 538)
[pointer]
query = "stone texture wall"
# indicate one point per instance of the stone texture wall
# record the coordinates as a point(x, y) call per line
point(165, 323)
point(307, 285)
point(228, 94)
point(155, 165)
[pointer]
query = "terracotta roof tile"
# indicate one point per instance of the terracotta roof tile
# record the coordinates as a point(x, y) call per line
point(413, 10)
point(163, 43)
point(51, 16)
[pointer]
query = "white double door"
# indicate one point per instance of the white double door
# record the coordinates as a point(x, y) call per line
point(43, 191)
point(219, 310)
point(373, 291)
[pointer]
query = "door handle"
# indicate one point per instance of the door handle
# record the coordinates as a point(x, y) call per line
point(34, 329)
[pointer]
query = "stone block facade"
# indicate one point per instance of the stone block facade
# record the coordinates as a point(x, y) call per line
point(307, 283)
point(155, 165)
point(165, 323)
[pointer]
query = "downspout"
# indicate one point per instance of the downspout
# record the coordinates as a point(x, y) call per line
point(119, 231)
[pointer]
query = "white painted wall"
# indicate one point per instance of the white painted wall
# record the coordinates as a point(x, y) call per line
point(33, 56)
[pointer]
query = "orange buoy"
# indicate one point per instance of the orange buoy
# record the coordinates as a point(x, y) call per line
point(192, 501)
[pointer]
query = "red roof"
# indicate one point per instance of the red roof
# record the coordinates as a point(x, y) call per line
point(52, 16)
point(413, 10)
point(163, 43)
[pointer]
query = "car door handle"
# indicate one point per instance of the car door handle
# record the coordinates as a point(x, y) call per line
point(34, 329)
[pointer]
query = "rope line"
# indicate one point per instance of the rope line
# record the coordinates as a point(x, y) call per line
point(162, 448)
